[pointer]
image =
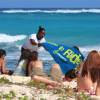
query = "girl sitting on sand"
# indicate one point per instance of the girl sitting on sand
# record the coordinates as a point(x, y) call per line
point(35, 70)
point(3, 69)
point(89, 79)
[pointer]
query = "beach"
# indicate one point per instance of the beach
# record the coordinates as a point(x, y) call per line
point(18, 84)
point(71, 27)
point(21, 88)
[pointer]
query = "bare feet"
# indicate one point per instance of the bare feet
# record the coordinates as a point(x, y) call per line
point(53, 85)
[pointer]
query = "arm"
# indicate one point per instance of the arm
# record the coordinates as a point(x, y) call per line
point(33, 42)
point(4, 69)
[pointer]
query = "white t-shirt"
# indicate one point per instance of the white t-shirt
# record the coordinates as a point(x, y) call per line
point(28, 45)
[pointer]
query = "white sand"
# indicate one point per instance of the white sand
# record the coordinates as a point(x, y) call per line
point(17, 79)
point(23, 90)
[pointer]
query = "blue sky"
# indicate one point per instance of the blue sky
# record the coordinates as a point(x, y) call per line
point(49, 3)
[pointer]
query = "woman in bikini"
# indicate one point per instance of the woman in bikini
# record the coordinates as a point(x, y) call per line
point(89, 79)
point(35, 70)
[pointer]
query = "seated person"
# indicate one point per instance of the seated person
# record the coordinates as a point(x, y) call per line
point(3, 69)
point(89, 79)
point(35, 70)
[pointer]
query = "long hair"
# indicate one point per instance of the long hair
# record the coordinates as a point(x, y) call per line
point(92, 66)
point(41, 29)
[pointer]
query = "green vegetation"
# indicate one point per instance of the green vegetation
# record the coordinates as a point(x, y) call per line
point(11, 95)
point(7, 96)
point(36, 84)
point(64, 93)
point(83, 96)
point(23, 98)
point(3, 80)
point(68, 92)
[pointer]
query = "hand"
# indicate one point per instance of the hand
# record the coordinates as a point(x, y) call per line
point(39, 44)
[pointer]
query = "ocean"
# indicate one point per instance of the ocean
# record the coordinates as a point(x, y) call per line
point(73, 27)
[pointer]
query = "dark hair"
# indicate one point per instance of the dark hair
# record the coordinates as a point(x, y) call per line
point(41, 29)
point(2, 52)
point(34, 56)
point(71, 74)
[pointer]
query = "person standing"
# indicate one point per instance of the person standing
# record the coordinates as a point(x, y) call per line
point(33, 42)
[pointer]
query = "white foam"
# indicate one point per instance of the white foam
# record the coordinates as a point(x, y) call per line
point(86, 49)
point(90, 48)
point(8, 38)
point(53, 11)
point(20, 11)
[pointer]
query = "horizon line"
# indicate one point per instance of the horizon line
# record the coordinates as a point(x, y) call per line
point(56, 8)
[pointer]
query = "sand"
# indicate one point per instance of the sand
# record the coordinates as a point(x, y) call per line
point(21, 90)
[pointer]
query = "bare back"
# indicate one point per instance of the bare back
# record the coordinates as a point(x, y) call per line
point(37, 64)
point(34, 64)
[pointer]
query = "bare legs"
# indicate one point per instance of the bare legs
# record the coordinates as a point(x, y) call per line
point(45, 80)
point(56, 75)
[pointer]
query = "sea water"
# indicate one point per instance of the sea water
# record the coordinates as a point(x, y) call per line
point(73, 27)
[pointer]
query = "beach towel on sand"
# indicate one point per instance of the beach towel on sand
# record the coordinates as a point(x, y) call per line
point(67, 57)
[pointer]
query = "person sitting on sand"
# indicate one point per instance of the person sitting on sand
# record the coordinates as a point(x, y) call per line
point(35, 70)
point(89, 79)
point(3, 69)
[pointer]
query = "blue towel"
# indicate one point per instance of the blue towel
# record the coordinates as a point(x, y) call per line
point(67, 57)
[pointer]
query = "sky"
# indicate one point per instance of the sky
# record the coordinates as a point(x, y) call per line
point(49, 3)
